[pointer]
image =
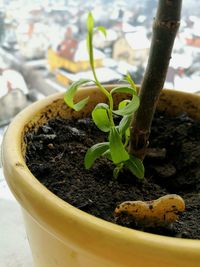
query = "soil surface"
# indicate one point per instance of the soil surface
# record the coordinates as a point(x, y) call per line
point(55, 155)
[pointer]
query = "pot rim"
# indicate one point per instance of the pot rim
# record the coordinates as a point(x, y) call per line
point(15, 166)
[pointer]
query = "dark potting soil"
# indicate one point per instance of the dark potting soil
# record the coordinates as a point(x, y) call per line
point(55, 155)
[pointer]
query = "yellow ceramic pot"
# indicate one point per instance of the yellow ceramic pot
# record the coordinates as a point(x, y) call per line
point(63, 236)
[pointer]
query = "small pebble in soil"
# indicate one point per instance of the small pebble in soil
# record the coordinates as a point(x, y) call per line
point(50, 146)
point(47, 129)
point(156, 153)
point(164, 170)
point(74, 131)
point(45, 137)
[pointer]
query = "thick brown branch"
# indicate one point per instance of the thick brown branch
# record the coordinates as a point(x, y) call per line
point(165, 27)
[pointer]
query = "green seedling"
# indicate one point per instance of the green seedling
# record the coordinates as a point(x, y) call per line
point(116, 147)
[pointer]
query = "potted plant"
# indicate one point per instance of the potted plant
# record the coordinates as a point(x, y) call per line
point(62, 235)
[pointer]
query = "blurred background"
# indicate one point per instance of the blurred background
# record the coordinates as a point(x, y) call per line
point(42, 45)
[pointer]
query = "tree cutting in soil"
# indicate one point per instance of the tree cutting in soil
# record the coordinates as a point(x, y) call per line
point(127, 141)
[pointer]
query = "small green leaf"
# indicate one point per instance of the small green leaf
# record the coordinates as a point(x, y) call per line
point(136, 166)
point(101, 118)
point(126, 107)
point(124, 123)
point(117, 150)
point(126, 89)
point(124, 103)
point(95, 152)
point(102, 30)
point(70, 93)
point(90, 22)
point(130, 108)
point(78, 106)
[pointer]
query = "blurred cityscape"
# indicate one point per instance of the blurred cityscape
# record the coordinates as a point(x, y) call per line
point(43, 48)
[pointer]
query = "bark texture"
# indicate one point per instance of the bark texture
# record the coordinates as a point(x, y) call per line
point(165, 28)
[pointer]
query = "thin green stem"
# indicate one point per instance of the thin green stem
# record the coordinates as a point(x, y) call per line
point(117, 170)
point(104, 91)
point(126, 141)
